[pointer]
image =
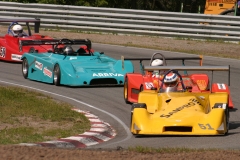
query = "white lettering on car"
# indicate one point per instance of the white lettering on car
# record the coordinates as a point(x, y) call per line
point(71, 58)
point(107, 75)
point(192, 102)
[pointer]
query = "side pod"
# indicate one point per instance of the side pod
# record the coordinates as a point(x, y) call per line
point(221, 87)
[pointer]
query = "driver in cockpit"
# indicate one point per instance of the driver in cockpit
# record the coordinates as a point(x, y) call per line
point(68, 50)
point(171, 82)
point(156, 62)
point(18, 31)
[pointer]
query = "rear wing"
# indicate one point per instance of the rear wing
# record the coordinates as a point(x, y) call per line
point(191, 68)
point(164, 59)
point(188, 68)
point(19, 20)
point(36, 22)
point(54, 42)
point(200, 58)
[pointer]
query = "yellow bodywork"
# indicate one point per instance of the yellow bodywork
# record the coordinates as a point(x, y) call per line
point(180, 113)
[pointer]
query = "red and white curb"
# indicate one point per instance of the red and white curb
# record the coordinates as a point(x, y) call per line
point(100, 132)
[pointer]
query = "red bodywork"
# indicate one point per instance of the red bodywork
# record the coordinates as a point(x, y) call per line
point(10, 48)
point(194, 82)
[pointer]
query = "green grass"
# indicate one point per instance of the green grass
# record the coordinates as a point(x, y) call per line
point(28, 117)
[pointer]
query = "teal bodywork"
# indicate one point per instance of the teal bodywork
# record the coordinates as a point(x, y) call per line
point(77, 70)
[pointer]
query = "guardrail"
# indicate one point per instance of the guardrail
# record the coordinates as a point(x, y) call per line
point(127, 21)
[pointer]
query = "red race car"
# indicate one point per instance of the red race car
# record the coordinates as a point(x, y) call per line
point(149, 80)
point(10, 44)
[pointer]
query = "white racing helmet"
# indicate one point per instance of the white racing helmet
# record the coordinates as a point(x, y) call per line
point(157, 62)
point(170, 82)
point(17, 30)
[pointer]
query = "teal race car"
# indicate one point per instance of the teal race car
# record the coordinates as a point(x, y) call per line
point(62, 65)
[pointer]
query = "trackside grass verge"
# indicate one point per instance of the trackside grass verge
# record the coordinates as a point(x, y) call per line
point(29, 117)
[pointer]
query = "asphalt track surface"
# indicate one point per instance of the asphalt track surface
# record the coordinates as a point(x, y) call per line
point(108, 104)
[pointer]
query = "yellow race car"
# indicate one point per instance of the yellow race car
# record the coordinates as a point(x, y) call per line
point(179, 111)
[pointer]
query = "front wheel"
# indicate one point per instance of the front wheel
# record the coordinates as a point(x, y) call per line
point(131, 118)
point(25, 68)
point(56, 76)
point(227, 120)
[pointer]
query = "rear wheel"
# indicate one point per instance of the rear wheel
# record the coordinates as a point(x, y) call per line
point(125, 91)
point(25, 68)
point(57, 73)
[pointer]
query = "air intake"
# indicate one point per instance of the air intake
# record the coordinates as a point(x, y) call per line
point(104, 81)
point(178, 129)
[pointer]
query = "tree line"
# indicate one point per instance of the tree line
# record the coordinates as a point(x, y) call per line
point(189, 6)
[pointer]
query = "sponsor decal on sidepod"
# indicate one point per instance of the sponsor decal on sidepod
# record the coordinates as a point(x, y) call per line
point(16, 57)
point(38, 65)
point(47, 72)
point(149, 85)
point(221, 86)
point(2, 52)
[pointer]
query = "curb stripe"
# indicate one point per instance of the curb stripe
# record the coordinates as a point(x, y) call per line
point(99, 132)
point(76, 144)
point(62, 144)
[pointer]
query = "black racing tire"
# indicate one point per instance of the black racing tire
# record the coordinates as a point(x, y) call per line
point(25, 68)
point(131, 117)
point(227, 116)
point(56, 75)
point(125, 92)
point(141, 88)
point(131, 121)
